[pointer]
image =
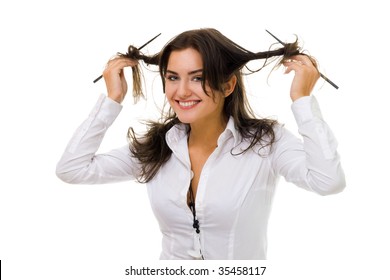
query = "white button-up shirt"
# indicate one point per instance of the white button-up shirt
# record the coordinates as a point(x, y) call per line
point(235, 190)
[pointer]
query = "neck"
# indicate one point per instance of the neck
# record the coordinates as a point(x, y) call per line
point(206, 134)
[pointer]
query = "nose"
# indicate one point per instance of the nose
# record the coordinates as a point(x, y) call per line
point(183, 89)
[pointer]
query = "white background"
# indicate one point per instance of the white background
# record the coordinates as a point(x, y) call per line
point(51, 51)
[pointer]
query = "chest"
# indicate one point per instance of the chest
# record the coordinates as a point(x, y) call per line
point(227, 186)
point(198, 158)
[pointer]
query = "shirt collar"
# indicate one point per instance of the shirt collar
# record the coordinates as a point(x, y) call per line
point(230, 131)
point(180, 131)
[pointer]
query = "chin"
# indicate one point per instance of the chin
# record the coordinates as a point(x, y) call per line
point(185, 120)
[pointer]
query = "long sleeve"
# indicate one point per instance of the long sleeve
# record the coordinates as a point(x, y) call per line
point(314, 164)
point(80, 164)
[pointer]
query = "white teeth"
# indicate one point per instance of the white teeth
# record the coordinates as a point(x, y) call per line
point(188, 103)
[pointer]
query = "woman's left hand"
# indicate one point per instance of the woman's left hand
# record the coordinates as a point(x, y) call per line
point(306, 75)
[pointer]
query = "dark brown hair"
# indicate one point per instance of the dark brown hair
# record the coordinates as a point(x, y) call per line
point(222, 59)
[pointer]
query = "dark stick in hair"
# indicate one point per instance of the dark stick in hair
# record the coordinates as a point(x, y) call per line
point(101, 76)
point(322, 75)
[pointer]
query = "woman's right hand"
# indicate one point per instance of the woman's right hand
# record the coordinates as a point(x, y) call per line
point(115, 79)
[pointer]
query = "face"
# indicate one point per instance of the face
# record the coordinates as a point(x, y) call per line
point(183, 89)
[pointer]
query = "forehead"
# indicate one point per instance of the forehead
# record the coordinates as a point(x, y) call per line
point(185, 59)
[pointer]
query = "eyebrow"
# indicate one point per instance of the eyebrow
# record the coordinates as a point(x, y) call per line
point(190, 73)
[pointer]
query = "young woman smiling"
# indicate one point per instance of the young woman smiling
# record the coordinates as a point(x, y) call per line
point(211, 166)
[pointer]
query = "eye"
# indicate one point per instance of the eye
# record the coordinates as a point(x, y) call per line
point(197, 79)
point(171, 77)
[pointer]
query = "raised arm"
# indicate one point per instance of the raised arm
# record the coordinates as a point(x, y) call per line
point(313, 164)
point(79, 163)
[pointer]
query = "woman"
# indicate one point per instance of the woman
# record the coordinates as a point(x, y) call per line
point(211, 167)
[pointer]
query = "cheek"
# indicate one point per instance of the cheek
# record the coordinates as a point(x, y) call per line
point(169, 93)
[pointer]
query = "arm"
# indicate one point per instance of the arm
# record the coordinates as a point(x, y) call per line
point(79, 163)
point(315, 163)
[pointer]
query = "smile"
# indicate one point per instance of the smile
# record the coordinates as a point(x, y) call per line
point(187, 104)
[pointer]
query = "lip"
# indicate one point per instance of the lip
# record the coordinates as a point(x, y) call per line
point(188, 104)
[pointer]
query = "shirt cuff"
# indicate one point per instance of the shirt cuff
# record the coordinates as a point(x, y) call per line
point(306, 109)
point(106, 110)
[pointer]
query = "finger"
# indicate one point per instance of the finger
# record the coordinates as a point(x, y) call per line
point(292, 60)
point(117, 65)
point(305, 60)
point(292, 64)
point(121, 62)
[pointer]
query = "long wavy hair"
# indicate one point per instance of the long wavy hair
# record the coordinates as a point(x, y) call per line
point(222, 58)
